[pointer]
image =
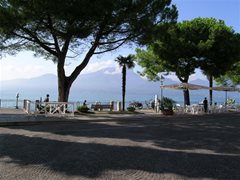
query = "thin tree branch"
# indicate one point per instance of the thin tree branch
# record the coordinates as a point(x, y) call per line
point(50, 25)
point(89, 54)
point(112, 42)
point(123, 41)
point(111, 49)
point(38, 41)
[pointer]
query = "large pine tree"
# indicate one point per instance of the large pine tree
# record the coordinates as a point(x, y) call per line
point(57, 29)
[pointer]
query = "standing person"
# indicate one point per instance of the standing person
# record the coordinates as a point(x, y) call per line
point(85, 103)
point(205, 104)
point(17, 96)
point(47, 98)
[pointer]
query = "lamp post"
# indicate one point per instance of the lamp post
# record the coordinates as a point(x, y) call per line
point(161, 80)
point(225, 98)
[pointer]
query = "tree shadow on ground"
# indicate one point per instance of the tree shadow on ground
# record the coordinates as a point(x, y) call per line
point(92, 160)
point(219, 133)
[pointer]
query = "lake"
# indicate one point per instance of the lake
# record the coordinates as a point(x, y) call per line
point(196, 96)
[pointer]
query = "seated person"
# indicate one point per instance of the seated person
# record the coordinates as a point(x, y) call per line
point(47, 98)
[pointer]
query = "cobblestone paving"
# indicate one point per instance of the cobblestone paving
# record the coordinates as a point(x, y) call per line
point(131, 147)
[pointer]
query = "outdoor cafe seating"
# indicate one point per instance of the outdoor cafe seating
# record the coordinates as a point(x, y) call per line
point(198, 108)
point(194, 109)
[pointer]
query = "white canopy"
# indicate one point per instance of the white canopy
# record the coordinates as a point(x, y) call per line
point(182, 86)
point(224, 88)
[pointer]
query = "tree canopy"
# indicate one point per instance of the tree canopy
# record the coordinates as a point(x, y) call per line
point(219, 51)
point(231, 77)
point(58, 29)
point(183, 47)
point(173, 49)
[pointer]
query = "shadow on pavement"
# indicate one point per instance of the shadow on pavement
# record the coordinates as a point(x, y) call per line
point(91, 160)
point(218, 133)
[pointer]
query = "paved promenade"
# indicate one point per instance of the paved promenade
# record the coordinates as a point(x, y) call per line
point(11, 111)
point(122, 147)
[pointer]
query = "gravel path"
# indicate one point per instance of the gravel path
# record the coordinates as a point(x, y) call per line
point(129, 147)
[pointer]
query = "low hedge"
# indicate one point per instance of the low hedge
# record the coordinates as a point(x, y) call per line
point(82, 108)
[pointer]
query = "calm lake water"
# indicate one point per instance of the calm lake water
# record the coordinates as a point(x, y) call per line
point(91, 96)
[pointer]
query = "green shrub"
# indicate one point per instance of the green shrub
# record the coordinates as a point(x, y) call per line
point(82, 108)
point(167, 103)
point(230, 101)
point(131, 109)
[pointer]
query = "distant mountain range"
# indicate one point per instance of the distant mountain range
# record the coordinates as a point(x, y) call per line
point(104, 82)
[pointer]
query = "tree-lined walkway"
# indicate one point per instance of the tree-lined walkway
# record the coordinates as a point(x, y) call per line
point(131, 147)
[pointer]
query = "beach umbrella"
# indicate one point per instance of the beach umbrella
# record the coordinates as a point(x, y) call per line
point(226, 89)
point(182, 86)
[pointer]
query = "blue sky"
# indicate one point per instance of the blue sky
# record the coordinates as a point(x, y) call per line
point(24, 65)
point(227, 10)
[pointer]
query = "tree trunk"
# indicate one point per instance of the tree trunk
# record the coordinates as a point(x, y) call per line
point(210, 91)
point(63, 90)
point(185, 91)
point(186, 97)
point(123, 86)
point(64, 83)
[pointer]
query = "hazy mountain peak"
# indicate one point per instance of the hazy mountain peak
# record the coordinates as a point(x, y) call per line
point(112, 71)
point(107, 82)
